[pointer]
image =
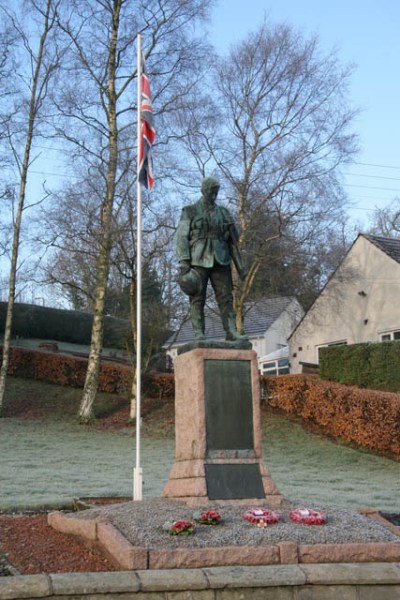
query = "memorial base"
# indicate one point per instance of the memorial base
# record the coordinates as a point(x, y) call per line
point(218, 454)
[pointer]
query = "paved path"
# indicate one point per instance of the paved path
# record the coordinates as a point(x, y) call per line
point(53, 462)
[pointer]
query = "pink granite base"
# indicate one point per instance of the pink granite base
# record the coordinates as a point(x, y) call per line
point(187, 483)
point(130, 557)
point(187, 480)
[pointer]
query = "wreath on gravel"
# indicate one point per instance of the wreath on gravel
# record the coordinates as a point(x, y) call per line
point(261, 517)
point(183, 528)
point(306, 516)
point(211, 517)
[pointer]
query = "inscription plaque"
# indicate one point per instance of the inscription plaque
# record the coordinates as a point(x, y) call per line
point(228, 405)
point(234, 481)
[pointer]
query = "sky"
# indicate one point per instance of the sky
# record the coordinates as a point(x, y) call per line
point(366, 34)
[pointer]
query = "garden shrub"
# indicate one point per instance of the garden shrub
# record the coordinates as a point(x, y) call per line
point(41, 322)
point(368, 418)
point(63, 369)
point(160, 385)
point(371, 365)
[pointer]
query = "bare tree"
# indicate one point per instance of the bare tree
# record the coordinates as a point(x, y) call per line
point(43, 65)
point(278, 131)
point(9, 90)
point(69, 231)
point(386, 221)
point(98, 111)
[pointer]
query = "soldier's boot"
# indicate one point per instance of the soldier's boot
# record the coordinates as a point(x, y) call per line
point(198, 323)
point(229, 323)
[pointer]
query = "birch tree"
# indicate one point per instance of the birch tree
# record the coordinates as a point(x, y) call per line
point(98, 107)
point(43, 62)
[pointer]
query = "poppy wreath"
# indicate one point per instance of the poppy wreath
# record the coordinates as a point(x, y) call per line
point(306, 516)
point(258, 515)
point(211, 517)
point(183, 528)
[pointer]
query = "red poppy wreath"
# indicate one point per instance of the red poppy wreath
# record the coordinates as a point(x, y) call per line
point(259, 515)
point(306, 516)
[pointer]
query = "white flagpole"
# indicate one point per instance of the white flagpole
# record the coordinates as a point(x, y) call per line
point(137, 471)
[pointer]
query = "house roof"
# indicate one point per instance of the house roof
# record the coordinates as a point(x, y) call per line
point(391, 247)
point(258, 319)
point(276, 355)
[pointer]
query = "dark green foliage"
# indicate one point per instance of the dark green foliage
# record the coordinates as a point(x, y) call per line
point(40, 322)
point(374, 366)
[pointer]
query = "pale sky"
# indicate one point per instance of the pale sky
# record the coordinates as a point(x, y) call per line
point(366, 33)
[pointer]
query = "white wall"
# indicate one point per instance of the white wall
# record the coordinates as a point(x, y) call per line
point(341, 313)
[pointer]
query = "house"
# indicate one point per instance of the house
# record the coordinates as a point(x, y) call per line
point(267, 323)
point(359, 303)
point(275, 363)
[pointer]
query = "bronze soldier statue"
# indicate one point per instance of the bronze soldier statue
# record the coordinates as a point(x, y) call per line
point(206, 241)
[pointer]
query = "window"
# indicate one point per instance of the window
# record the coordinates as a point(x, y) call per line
point(275, 367)
point(390, 335)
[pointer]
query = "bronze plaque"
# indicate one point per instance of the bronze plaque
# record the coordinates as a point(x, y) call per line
point(234, 481)
point(228, 405)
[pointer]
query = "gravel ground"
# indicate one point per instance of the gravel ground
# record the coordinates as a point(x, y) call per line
point(141, 523)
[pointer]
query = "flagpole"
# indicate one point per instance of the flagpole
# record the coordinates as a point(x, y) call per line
point(137, 471)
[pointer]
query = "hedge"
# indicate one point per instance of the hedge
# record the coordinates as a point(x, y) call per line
point(68, 370)
point(31, 321)
point(372, 365)
point(63, 369)
point(368, 418)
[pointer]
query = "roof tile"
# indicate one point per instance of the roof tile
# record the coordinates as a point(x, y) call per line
point(391, 247)
point(259, 317)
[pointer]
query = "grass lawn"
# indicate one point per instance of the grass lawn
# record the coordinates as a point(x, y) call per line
point(47, 458)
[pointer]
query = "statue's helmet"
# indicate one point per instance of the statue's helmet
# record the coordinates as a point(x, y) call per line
point(209, 183)
point(190, 282)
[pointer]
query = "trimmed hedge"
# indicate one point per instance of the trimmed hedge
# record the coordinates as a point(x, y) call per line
point(368, 418)
point(62, 369)
point(373, 365)
point(41, 322)
point(160, 385)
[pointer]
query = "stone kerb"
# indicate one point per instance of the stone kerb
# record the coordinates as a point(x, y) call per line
point(110, 539)
point(281, 582)
point(130, 557)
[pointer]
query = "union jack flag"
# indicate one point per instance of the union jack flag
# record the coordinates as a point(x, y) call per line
point(147, 134)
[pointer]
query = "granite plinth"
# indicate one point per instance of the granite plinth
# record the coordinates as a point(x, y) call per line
point(217, 430)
